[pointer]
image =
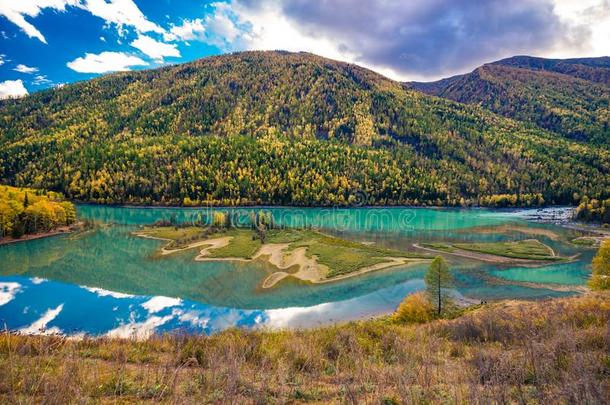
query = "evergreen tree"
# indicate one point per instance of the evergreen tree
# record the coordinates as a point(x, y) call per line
point(437, 279)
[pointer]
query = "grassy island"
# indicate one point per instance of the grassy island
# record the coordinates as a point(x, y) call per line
point(523, 250)
point(307, 255)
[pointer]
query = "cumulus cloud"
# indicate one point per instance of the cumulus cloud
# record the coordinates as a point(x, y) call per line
point(25, 69)
point(221, 27)
point(2, 61)
point(105, 62)
point(419, 38)
point(16, 11)
point(155, 49)
point(8, 290)
point(12, 89)
point(122, 13)
point(157, 304)
point(189, 30)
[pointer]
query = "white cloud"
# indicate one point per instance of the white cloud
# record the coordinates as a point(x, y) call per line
point(592, 14)
point(7, 290)
point(16, 11)
point(40, 326)
point(2, 59)
point(222, 27)
point(38, 280)
point(105, 62)
point(238, 26)
point(139, 330)
point(12, 89)
point(105, 293)
point(373, 32)
point(155, 49)
point(122, 13)
point(157, 304)
point(25, 69)
point(189, 30)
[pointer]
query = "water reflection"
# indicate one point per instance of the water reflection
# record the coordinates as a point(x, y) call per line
point(40, 282)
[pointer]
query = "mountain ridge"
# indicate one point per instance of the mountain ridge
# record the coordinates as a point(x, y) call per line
point(281, 128)
point(569, 97)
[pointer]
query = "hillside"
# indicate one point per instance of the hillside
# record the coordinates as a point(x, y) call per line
point(569, 97)
point(282, 128)
point(545, 352)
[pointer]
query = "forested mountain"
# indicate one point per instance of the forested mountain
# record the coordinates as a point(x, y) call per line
point(283, 128)
point(570, 97)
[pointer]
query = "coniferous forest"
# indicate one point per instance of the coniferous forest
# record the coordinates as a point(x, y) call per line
point(292, 129)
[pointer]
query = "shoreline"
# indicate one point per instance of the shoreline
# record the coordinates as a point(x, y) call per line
point(64, 230)
point(497, 259)
point(398, 206)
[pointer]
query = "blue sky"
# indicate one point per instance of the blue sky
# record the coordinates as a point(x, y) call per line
point(45, 43)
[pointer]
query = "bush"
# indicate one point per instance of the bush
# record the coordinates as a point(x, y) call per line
point(416, 308)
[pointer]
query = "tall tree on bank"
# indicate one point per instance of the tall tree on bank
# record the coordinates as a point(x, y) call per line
point(600, 277)
point(437, 279)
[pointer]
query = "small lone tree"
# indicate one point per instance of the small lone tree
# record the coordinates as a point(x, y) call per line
point(437, 278)
point(600, 275)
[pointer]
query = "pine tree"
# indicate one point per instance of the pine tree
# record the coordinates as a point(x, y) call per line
point(438, 278)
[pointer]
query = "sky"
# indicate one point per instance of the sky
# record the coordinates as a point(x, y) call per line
point(46, 43)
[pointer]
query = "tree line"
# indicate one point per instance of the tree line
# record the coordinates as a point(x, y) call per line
point(27, 211)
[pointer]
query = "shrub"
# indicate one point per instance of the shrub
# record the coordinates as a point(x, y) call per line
point(600, 277)
point(416, 308)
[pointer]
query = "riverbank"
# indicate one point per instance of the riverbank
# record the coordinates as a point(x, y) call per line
point(529, 252)
point(512, 351)
point(62, 230)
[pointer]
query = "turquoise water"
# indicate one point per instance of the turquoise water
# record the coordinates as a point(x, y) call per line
point(100, 282)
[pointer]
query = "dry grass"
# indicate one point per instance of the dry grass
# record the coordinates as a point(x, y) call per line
point(551, 352)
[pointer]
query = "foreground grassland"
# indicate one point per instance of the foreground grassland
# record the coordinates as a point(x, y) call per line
point(304, 254)
point(530, 249)
point(546, 352)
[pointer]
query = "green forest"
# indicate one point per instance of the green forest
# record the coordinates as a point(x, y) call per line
point(284, 128)
point(26, 211)
point(569, 97)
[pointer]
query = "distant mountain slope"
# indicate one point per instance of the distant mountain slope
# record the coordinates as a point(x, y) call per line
point(282, 128)
point(569, 97)
point(591, 69)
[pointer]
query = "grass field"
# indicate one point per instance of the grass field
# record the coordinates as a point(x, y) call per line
point(443, 247)
point(242, 244)
point(585, 241)
point(539, 352)
point(531, 249)
point(179, 236)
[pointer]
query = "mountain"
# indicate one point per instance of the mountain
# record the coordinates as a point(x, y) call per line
point(283, 128)
point(569, 97)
